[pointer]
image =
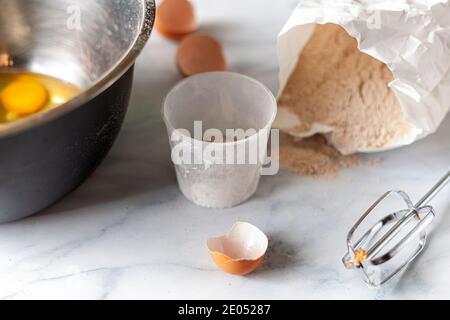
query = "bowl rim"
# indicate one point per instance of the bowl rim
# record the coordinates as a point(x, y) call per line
point(103, 83)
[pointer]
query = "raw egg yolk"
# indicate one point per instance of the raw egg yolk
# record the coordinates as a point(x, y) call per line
point(24, 97)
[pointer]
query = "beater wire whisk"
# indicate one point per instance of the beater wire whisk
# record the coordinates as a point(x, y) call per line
point(393, 242)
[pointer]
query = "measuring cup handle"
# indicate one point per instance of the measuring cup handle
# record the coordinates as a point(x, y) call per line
point(271, 165)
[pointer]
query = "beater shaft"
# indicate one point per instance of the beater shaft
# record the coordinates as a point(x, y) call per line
point(407, 217)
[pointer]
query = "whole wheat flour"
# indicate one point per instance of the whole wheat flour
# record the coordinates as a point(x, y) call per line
point(337, 86)
point(314, 157)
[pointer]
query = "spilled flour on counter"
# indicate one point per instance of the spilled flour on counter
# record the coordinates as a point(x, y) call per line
point(314, 157)
point(338, 87)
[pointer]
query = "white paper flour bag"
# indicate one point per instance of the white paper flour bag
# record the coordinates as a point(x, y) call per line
point(411, 39)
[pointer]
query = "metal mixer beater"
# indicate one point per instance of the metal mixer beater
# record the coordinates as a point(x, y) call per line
point(393, 242)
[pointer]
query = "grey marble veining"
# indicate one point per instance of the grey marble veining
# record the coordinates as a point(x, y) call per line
point(129, 233)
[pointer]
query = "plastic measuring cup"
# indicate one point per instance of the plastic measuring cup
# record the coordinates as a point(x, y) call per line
point(217, 167)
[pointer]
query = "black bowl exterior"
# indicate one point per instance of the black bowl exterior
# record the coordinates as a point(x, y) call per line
point(43, 164)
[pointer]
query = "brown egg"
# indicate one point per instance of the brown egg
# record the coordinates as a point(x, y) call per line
point(175, 18)
point(241, 251)
point(199, 53)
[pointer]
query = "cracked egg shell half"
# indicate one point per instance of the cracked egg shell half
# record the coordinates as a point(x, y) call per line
point(241, 251)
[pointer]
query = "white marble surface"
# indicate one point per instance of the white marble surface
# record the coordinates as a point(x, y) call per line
point(129, 233)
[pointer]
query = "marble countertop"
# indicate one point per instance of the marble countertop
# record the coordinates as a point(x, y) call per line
point(129, 233)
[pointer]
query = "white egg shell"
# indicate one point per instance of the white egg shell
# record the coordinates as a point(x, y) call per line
point(243, 242)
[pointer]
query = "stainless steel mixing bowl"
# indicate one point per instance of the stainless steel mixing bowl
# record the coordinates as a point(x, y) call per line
point(90, 43)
